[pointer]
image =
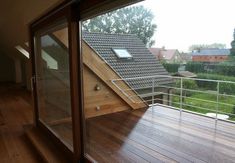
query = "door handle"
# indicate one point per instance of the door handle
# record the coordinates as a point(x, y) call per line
point(32, 81)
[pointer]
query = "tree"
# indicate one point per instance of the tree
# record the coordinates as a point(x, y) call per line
point(187, 84)
point(231, 58)
point(131, 20)
point(232, 50)
point(203, 46)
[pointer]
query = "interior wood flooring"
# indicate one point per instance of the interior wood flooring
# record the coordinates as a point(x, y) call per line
point(15, 111)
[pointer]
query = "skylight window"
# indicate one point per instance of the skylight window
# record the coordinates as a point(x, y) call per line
point(23, 51)
point(122, 53)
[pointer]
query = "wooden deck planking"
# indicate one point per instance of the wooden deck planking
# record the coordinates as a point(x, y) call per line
point(162, 137)
point(130, 136)
point(144, 143)
point(197, 119)
point(201, 129)
point(166, 132)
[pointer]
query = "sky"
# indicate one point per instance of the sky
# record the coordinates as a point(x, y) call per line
point(181, 23)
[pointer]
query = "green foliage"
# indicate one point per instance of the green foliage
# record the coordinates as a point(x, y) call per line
point(195, 101)
point(233, 112)
point(232, 50)
point(227, 68)
point(224, 69)
point(227, 88)
point(216, 77)
point(186, 84)
point(171, 67)
point(202, 46)
point(196, 67)
point(130, 20)
point(189, 84)
point(230, 61)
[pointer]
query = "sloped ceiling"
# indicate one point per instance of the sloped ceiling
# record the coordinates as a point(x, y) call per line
point(15, 17)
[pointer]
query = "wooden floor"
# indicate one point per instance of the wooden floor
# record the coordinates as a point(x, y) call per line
point(150, 135)
point(157, 135)
point(15, 111)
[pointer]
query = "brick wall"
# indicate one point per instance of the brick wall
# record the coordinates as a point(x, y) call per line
point(210, 58)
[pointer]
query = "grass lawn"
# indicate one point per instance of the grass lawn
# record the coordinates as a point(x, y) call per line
point(223, 101)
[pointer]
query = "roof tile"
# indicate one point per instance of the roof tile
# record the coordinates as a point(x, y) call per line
point(143, 64)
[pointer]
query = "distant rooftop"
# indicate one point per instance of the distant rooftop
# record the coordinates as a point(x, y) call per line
point(163, 53)
point(211, 51)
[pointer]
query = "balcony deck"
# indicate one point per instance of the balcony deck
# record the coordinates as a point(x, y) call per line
point(157, 135)
point(147, 135)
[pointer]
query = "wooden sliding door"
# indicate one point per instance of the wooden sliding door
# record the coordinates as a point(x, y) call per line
point(57, 80)
point(57, 68)
point(53, 81)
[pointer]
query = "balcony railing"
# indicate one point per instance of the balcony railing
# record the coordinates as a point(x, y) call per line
point(212, 98)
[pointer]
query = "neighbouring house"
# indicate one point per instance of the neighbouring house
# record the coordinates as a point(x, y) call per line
point(129, 58)
point(167, 55)
point(185, 57)
point(210, 55)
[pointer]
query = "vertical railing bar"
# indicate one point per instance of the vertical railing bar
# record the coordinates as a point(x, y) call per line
point(152, 92)
point(181, 96)
point(217, 104)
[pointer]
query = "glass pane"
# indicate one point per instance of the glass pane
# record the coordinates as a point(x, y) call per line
point(122, 53)
point(53, 81)
point(140, 109)
point(114, 51)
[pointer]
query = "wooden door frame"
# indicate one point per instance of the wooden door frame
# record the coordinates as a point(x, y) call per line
point(64, 11)
point(74, 11)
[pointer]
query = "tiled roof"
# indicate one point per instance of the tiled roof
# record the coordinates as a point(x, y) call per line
point(168, 54)
point(162, 53)
point(144, 63)
point(156, 52)
point(211, 52)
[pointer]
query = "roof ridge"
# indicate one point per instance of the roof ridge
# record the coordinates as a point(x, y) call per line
point(109, 33)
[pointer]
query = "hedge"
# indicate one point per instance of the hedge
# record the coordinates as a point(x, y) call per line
point(200, 67)
point(187, 84)
point(171, 67)
point(228, 88)
point(196, 67)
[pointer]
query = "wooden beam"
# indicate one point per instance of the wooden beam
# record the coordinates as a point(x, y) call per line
point(100, 101)
point(97, 65)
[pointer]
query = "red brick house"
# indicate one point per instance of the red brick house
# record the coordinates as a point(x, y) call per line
point(210, 55)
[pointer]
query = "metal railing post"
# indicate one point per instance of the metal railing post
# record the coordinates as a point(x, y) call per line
point(217, 104)
point(152, 92)
point(181, 96)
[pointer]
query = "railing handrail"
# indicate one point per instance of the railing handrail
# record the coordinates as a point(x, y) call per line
point(190, 90)
point(175, 77)
point(153, 83)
